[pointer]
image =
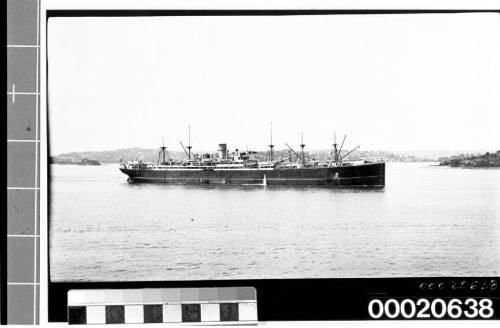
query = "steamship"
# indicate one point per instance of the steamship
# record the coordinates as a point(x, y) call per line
point(247, 168)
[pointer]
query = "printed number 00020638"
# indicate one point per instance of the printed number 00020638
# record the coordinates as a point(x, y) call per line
point(439, 308)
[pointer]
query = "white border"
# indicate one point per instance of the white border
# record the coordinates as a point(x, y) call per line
point(43, 215)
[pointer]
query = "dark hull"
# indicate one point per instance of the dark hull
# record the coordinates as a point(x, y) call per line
point(366, 175)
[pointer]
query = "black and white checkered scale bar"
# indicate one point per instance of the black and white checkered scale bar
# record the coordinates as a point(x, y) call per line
point(228, 305)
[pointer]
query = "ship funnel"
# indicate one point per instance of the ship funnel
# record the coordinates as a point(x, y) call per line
point(222, 152)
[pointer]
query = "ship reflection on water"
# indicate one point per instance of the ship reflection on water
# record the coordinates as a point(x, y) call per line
point(255, 188)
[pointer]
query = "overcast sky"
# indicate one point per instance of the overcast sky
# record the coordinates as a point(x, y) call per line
point(391, 82)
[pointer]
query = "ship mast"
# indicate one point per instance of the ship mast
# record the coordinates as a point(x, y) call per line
point(335, 152)
point(302, 148)
point(189, 142)
point(162, 152)
point(271, 146)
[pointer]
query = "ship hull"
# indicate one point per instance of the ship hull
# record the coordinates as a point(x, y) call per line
point(365, 175)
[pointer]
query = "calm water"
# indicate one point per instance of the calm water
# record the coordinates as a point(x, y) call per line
point(428, 221)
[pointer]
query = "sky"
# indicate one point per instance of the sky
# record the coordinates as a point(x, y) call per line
point(390, 82)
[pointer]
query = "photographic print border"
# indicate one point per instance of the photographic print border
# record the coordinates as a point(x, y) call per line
point(290, 299)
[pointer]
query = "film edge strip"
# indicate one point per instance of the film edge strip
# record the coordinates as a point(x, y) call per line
point(22, 257)
point(205, 306)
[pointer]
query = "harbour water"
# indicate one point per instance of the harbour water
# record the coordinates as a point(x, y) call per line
point(428, 221)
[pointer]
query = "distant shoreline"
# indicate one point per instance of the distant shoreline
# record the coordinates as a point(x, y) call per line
point(82, 162)
point(486, 160)
point(444, 158)
point(151, 155)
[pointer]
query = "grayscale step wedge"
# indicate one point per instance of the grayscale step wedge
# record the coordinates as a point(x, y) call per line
point(217, 306)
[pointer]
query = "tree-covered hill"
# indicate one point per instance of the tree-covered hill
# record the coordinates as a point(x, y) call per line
point(468, 160)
